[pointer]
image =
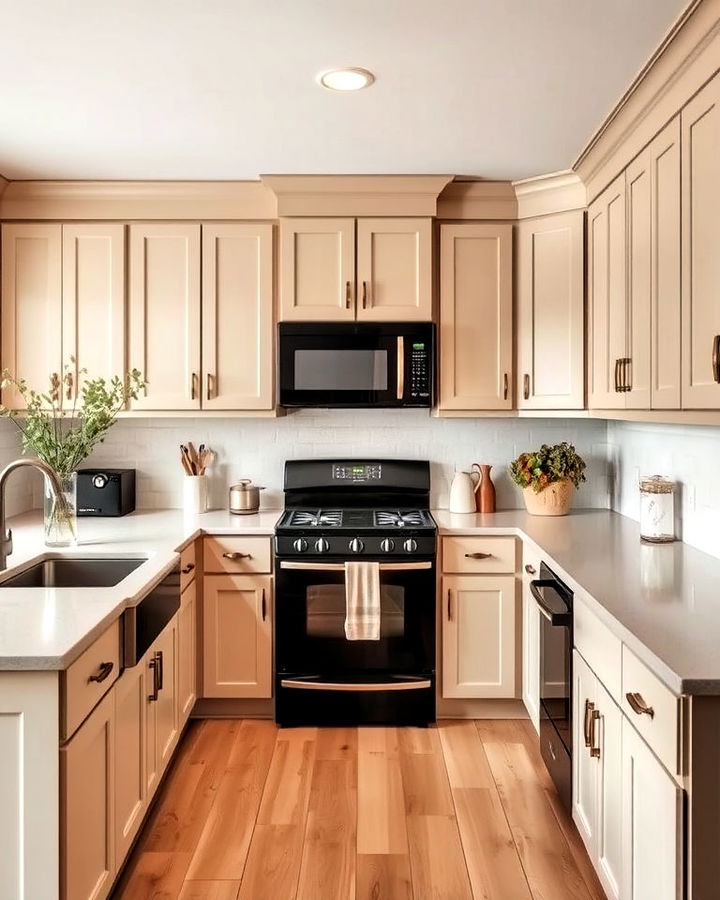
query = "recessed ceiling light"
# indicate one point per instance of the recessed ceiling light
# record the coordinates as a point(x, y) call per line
point(352, 79)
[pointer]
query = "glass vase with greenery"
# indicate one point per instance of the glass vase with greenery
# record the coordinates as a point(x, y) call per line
point(62, 426)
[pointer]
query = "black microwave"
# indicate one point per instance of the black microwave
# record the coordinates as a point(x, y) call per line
point(356, 364)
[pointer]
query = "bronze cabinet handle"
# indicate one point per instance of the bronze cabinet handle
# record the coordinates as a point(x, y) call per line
point(102, 673)
point(531, 570)
point(625, 374)
point(235, 555)
point(193, 386)
point(594, 747)
point(155, 690)
point(506, 386)
point(638, 705)
point(209, 384)
point(160, 669)
point(478, 555)
point(526, 386)
point(716, 358)
point(348, 295)
point(617, 376)
point(589, 707)
point(364, 294)
point(263, 607)
point(449, 605)
point(188, 568)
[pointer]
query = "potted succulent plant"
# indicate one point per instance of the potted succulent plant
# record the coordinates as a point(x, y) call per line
point(549, 477)
point(64, 435)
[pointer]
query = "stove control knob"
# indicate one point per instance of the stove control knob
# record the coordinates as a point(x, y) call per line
point(321, 545)
point(300, 545)
point(410, 545)
point(356, 545)
point(387, 545)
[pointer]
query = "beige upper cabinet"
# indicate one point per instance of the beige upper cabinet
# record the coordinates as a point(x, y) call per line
point(31, 305)
point(394, 270)
point(607, 287)
point(322, 278)
point(164, 309)
point(93, 300)
point(237, 636)
point(700, 124)
point(476, 346)
point(317, 269)
point(237, 319)
point(636, 369)
point(551, 303)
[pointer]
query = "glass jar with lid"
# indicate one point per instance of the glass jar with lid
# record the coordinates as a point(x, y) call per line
point(657, 509)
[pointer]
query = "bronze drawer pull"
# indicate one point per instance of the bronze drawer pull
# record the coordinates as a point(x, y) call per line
point(638, 705)
point(589, 707)
point(235, 555)
point(102, 673)
point(531, 570)
point(478, 555)
point(155, 689)
point(188, 568)
point(594, 748)
point(526, 387)
point(716, 358)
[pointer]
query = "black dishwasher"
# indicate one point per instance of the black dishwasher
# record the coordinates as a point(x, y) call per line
point(555, 604)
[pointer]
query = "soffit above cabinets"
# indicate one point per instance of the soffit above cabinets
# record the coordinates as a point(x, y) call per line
point(177, 89)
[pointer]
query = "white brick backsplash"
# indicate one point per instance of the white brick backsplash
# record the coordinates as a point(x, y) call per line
point(19, 492)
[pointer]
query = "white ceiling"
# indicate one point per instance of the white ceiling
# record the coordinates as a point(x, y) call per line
point(225, 89)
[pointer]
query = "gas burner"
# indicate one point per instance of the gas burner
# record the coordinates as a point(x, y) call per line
point(397, 519)
point(326, 518)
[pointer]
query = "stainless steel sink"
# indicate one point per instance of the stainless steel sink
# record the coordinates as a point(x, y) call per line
point(66, 572)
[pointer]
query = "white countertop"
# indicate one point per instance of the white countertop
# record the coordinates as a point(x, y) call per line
point(663, 600)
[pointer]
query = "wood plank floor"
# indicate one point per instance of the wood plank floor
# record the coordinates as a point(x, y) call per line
point(461, 811)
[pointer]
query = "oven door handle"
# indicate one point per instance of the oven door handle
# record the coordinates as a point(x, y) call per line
point(340, 567)
point(559, 620)
point(409, 685)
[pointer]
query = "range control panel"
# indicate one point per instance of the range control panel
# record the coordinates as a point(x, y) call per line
point(419, 370)
point(357, 472)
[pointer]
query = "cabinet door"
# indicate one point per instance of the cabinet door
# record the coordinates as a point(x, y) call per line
point(237, 316)
point(606, 294)
point(651, 824)
point(165, 314)
point(531, 652)
point(479, 636)
point(394, 270)
point(638, 190)
point(187, 655)
point(666, 340)
point(700, 124)
point(130, 751)
point(93, 300)
point(607, 739)
point(317, 269)
point(31, 305)
point(87, 815)
point(237, 636)
point(551, 304)
point(586, 770)
point(475, 316)
point(166, 707)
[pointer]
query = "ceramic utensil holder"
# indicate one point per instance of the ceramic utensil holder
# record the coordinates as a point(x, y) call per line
point(195, 494)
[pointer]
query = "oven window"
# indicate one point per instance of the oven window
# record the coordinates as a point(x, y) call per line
point(341, 370)
point(325, 611)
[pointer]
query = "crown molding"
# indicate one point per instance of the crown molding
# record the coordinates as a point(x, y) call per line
point(356, 195)
point(686, 58)
point(478, 200)
point(547, 194)
point(68, 200)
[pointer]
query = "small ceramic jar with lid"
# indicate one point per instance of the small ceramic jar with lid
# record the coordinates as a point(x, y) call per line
point(657, 509)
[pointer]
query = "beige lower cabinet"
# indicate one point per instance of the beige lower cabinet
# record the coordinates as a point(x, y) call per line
point(187, 652)
point(87, 773)
point(131, 797)
point(237, 636)
point(478, 629)
point(597, 775)
point(161, 708)
point(530, 638)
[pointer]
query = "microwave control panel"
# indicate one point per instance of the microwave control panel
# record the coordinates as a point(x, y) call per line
point(420, 370)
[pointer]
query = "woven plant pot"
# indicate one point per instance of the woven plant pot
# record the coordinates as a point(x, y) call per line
point(553, 500)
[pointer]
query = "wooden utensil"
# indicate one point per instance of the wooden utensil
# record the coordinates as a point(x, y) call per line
point(184, 460)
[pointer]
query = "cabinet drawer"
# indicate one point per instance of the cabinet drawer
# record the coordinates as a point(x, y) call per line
point(188, 565)
point(89, 678)
point(473, 555)
point(641, 690)
point(238, 554)
point(601, 649)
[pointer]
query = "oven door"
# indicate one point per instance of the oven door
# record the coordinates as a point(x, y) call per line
point(355, 365)
point(311, 647)
point(555, 658)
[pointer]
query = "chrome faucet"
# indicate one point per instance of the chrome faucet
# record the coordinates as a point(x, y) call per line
point(6, 546)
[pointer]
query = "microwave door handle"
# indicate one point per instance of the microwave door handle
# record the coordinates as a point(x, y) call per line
point(400, 367)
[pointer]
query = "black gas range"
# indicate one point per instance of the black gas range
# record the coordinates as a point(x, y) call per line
point(339, 511)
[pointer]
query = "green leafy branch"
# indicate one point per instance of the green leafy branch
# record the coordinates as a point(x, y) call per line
point(539, 468)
